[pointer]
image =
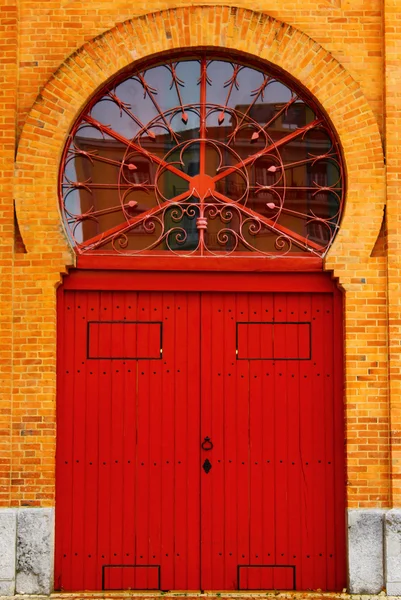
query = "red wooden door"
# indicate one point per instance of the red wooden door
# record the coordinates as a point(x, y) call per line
point(146, 378)
point(128, 441)
point(272, 504)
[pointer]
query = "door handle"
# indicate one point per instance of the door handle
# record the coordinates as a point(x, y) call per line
point(207, 444)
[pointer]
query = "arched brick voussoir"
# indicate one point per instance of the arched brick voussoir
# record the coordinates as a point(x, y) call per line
point(84, 72)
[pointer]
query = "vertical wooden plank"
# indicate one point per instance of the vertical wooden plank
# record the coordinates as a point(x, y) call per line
point(268, 426)
point(220, 370)
point(105, 405)
point(143, 508)
point(329, 417)
point(256, 436)
point(64, 472)
point(305, 573)
point(243, 448)
point(116, 435)
point(339, 467)
point(281, 435)
point(230, 399)
point(156, 433)
point(79, 399)
point(166, 558)
point(92, 571)
point(193, 452)
point(207, 395)
point(181, 442)
point(319, 340)
point(129, 437)
point(294, 458)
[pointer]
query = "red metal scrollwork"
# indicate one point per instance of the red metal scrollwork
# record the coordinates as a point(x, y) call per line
point(202, 156)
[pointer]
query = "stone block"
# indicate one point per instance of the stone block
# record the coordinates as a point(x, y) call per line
point(7, 587)
point(8, 527)
point(8, 524)
point(393, 552)
point(35, 551)
point(365, 551)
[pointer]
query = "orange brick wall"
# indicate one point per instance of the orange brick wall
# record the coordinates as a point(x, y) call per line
point(333, 47)
point(8, 104)
point(392, 36)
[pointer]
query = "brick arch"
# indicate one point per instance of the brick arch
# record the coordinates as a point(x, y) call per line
point(84, 72)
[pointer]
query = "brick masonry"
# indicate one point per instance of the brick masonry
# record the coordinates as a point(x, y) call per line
point(55, 54)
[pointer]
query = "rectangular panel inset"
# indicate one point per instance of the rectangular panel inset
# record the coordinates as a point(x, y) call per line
point(131, 577)
point(128, 340)
point(266, 577)
point(273, 341)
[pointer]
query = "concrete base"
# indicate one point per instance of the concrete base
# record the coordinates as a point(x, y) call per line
point(26, 551)
point(8, 537)
point(365, 551)
point(35, 551)
point(393, 552)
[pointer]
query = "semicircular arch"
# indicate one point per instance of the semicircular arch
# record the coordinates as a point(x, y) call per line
point(87, 70)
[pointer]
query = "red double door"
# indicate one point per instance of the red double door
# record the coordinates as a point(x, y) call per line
point(200, 441)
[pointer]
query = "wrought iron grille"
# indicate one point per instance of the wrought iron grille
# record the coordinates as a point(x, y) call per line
point(202, 155)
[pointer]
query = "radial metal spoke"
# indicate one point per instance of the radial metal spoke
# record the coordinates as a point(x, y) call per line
point(298, 239)
point(250, 159)
point(202, 132)
point(136, 147)
point(151, 93)
point(103, 238)
point(256, 95)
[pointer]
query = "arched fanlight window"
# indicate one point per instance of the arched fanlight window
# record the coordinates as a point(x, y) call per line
point(202, 154)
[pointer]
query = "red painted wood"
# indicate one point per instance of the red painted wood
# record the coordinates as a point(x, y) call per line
point(294, 467)
point(78, 448)
point(266, 577)
point(155, 434)
point(198, 282)
point(319, 339)
point(282, 408)
point(120, 339)
point(231, 514)
point(105, 403)
point(256, 401)
point(219, 370)
point(91, 458)
point(329, 439)
point(192, 482)
point(339, 434)
point(168, 263)
point(242, 487)
point(263, 341)
point(130, 578)
point(207, 430)
point(131, 489)
point(133, 577)
point(167, 442)
point(267, 424)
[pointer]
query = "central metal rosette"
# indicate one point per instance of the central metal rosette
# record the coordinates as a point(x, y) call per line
point(202, 186)
point(219, 170)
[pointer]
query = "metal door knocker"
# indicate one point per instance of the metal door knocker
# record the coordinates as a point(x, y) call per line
point(207, 444)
